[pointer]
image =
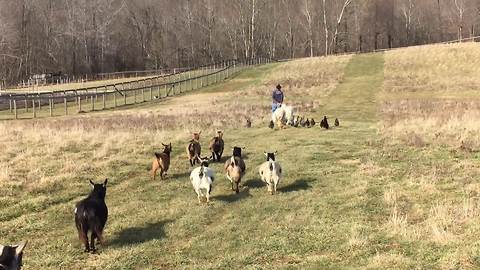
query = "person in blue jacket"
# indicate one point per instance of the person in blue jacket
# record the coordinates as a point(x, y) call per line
point(277, 98)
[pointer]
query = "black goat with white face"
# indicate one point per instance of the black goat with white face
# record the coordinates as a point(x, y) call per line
point(270, 156)
point(91, 215)
point(11, 256)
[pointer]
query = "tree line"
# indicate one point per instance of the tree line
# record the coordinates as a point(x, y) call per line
point(94, 36)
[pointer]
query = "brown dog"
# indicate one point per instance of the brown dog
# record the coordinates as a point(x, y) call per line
point(162, 161)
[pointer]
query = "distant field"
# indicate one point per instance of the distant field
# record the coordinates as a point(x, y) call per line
point(72, 86)
point(382, 191)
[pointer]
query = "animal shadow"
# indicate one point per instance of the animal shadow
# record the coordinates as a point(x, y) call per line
point(255, 183)
point(180, 176)
point(298, 185)
point(233, 197)
point(137, 235)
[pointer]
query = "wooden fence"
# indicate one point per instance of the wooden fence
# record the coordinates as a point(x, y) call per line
point(57, 103)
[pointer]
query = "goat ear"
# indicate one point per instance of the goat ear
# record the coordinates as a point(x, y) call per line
point(275, 152)
point(164, 144)
point(91, 182)
point(105, 183)
point(265, 153)
point(20, 247)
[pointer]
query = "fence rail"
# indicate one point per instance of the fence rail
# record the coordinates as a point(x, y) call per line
point(111, 96)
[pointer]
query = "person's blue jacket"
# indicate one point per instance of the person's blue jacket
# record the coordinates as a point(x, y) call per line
point(277, 96)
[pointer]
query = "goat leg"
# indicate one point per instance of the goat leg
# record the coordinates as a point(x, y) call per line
point(92, 242)
point(84, 238)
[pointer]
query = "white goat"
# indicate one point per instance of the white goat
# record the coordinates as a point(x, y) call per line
point(202, 179)
point(283, 114)
point(271, 172)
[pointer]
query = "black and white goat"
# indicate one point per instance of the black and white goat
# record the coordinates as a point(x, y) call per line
point(271, 172)
point(202, 179)
point(11, 256)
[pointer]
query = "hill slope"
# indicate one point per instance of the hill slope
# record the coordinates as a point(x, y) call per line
point(352, 197)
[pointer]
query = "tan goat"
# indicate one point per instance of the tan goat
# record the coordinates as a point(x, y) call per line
point(162, 161)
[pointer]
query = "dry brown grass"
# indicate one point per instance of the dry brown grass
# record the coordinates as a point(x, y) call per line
point(430, 96)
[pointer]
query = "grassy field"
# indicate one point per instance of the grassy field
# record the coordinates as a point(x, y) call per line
point(375, 193)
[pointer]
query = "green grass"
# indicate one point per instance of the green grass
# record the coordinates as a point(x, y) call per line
point(349, 199)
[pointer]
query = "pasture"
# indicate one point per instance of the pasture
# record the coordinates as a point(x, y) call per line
point(394, 187)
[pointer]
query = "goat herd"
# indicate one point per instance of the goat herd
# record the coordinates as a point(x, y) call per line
point(91, 213)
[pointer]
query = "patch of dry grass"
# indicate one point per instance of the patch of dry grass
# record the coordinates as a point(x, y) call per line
point(431, 96)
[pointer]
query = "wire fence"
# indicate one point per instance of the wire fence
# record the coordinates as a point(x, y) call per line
point(111, 96)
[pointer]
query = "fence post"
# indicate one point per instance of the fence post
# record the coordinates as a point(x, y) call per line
point(150, 89)
point(33, 108)
point(207, 77)
point(214, 73)
point(104, 103)
point(196, 79)
point(190, 81)
point(10, 102)
point(26, 105)
point(143, 90)
point(158, 85)
point(15, 108)
point(105, 97)
point(124, 94)
point(228, 67)
point(50, 105)
point(79, 103)
point(65, 104)
point(166, 93)
point(135, 96)
point(93, 102)
point(39, 102)
point(180, 81)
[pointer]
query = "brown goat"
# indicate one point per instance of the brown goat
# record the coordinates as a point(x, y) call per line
point(162, 161)
point(194, 149)
point(234, 170)
point(216, 146)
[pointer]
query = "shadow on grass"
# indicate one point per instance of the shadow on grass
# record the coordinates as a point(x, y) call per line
point(138, 235)
point(255, 183)
point(300, 184)
point(233, 197)
point(179, 176)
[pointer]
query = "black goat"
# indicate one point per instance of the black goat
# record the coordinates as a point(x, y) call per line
point(237, 151)
point(312, 122)
point(216, 146)
point(324, 123)
point(11, 256)
point(91, 214)
point(337, 123)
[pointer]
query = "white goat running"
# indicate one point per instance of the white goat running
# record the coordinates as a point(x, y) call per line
point(271, 172)
point(202, 180)
point(283, 114)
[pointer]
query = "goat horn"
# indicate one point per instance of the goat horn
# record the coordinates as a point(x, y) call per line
point(20, 247)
